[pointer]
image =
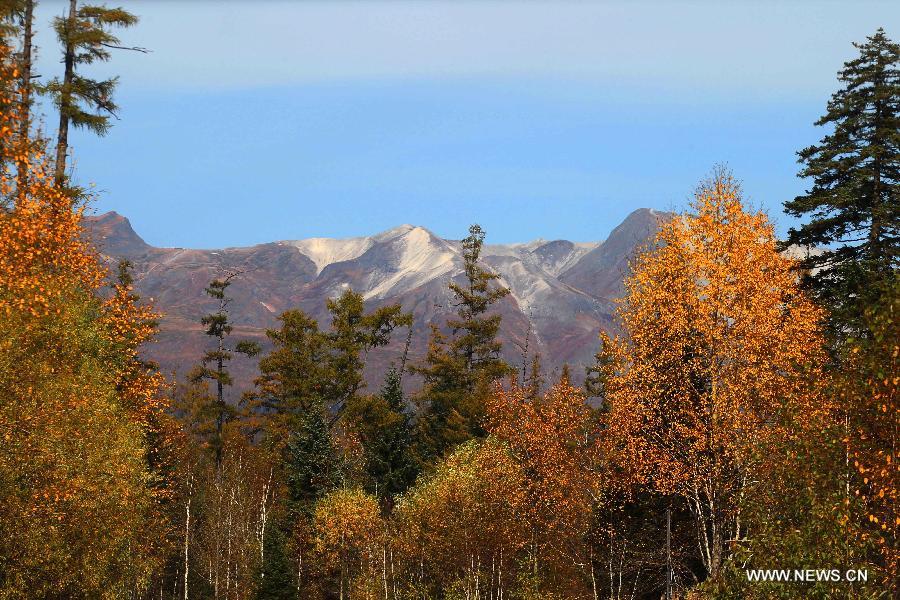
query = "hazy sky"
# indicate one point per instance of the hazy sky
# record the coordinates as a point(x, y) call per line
point(253, 121)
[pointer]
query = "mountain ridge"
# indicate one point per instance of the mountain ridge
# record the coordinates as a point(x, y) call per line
point(562, 292)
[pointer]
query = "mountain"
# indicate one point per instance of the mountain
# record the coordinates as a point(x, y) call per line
point(562, 292)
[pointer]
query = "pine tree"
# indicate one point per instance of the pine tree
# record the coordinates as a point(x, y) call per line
point(312, 462)
point(310, 367)
point(599, 374)
point(292, 379)
point(458, 371)
point(385, 430)
point(353, 334)
point(275, 580)
point(534, 382)
point(854, 203)
point(86, 38)
point(219, 327)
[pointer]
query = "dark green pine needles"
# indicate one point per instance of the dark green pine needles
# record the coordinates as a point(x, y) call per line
point(854, 202)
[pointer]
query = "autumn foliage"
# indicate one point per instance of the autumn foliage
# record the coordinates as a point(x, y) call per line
point(720, 347)
point(721, 433)
point(77, 492)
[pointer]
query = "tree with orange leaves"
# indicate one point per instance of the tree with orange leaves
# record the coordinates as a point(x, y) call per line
point(554, 440)
point(348, 541)
point(76, 494)
point(719, 344)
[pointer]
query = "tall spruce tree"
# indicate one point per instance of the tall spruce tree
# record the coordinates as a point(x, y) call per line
point(313, 463)
point(459, 369)
point(853, 205)
point(275, 580)
point(85, 34)
point(214, 365)
point(385, 431)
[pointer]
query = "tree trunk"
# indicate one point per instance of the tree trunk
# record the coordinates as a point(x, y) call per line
point(187, 533)
point(669, 551)
point(65, 99)
point(25, 125)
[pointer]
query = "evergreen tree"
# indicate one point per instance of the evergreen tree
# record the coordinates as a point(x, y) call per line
point(219, 327)
point(534, 381)
point(311, 368)
point(565, 376)
point(85, 36)
point(292, 377)
point(353, 334)
point(385, 430)
point(276, 574)
point(312, 462)
point(458, 371)
point(599, 374)
point(854, 203)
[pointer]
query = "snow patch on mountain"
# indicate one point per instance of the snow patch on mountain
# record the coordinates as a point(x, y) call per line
point(325, 251)
point(421, 257)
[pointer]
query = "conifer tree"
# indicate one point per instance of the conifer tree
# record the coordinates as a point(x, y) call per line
point(353, 334)
point(219, 327)
point(86, 37)
point(313, 464)
point(276, 577)
point(385, 430)
point(458, 371)
point(310, 368)
point(292, 377)
point(853, 205)
point(534, 381)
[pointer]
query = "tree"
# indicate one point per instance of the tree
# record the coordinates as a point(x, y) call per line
point(719, 344)
point(554, 439)
point(17, 19)
point(867, 392)
point(85, 36)
point(276, 577)
point(219, 328)
point(460, 531)
point(14, 150)
point(854, 202)
point(353, 334)
point(385, 431)
point(313, 465)
point(74, 460)
point(348, 529)
point(292, 379)
point(234, 500)
point(458, 371)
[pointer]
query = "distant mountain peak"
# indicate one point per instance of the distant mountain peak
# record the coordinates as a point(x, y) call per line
point(112, 234)
point(560, 297)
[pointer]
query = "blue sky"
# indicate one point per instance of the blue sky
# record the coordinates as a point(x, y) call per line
point(260, 120)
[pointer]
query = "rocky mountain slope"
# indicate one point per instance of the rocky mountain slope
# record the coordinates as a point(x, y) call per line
point(562, 292)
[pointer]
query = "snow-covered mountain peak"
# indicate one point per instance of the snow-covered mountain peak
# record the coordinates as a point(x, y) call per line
point(325, 251)
point(416, 257)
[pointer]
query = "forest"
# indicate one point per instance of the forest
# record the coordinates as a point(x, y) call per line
point(744, 417)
